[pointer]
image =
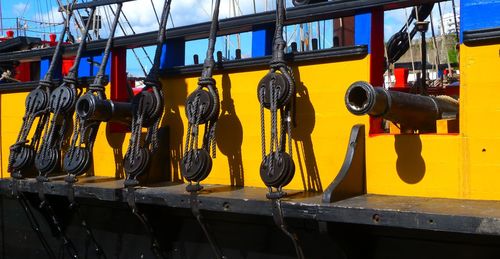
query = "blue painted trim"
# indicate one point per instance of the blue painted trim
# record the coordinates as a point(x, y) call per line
point(478, 14)
point(362, 30)
point(262, 41)
point(89, 65)
point(44, 67)
point(173, 53)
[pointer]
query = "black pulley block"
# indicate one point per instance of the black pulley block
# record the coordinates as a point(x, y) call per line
point(199, 167)
point(306, 2)
point(280, 86)
point(138, 165)
point(152, 107)
point(63, 99)
point(277, 169)
point(37, 100)
point(24, 158)
point(47, 162)
point(77, 162)
point(206, 109)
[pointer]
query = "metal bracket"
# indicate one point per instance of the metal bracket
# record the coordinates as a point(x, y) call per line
point(279, 219)
point(350, 181)
point(155, 245)
point(193, 200)
point(54, 221)
point(74, 206)
point(35, 225)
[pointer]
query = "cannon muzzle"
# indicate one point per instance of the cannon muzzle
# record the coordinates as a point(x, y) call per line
point(90, 107)
point(409, 110)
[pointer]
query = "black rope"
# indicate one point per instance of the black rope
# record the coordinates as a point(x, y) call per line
point(73, 71)
point(48, 156)
point(276, 91)
point(196, 108)
point(36, 108)
point(136, 159)
point(133, 50)
point(147, 113)
point(86, 132)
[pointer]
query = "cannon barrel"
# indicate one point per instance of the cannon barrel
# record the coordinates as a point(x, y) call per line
point(410, 110)
point(90, 107)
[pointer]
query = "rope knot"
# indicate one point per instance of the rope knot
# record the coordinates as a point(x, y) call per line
point(276, 64)
point(152, 82)
point(96, 88)
point(206, 81)
point(70, 80)
point(46, 83)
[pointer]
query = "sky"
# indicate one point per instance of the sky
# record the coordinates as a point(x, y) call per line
point(142, 17)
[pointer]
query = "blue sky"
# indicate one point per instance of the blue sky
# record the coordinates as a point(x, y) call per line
point(183, 12)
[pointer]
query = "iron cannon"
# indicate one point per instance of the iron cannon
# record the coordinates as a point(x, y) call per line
point(411, 111)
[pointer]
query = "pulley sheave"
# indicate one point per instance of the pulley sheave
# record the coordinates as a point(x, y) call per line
point(277, 169)
point(201, 106)
point(77, 162)
point(274, 83)
point(138, 164)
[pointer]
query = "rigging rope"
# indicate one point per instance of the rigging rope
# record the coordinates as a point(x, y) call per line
point(133, 32)
point(147, 110)
point(443, 35)
point(275, 93)
point(202, 109)
point(47, 159)
point(400, 42)
point(78, 158)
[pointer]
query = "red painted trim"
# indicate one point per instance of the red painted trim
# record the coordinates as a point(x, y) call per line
point(23, 72)
point(377, 59)
point(118, 82)
point(119, 75)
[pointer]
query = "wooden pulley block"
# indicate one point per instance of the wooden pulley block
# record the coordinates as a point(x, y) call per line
point(47, 160)
point(275, 83)
point(24, 159)
point(36, 101)
point(202, 106)
point(138, 165)
point(277, 169)
point(62, 99)
point(199, 167)
point(77, 162)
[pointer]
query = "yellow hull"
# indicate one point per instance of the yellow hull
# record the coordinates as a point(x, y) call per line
point(463, 165)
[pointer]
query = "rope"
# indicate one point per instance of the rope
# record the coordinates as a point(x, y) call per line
point(400, 42)
point(443, 35)
point(197, 110)
point(278, 140)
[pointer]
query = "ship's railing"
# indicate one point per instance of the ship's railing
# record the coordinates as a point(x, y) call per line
point(253, 22)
